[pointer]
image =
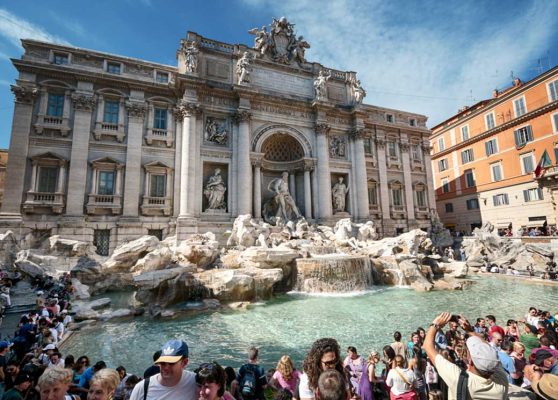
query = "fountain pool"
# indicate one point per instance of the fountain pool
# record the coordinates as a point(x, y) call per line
point(290, 323)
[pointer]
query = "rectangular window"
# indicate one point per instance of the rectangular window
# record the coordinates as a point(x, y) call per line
point(162, 77)
point(467, 156)
point(469, 178)
point(527, 163)
point(417, 152)
point(553, 89)
point(465, 132)
point(47, 179)
point(473, 204)
point(489, 120)
point(392, 150)
point(111, 111)
point(367, 146)
point(106, 183)
point(397, 197)
point(441, 144)
point(413, 122)
point(160, 121)
point(113, 68)
point(55, 106)
point(519, 107)
point(533, 194)
point(449, 207)
point(421, 198)
point(442, 164)
point(389, 117)
point(445, 186)
point(496, 170)
point(372, 195)
point(60, 58)
point(491, 147)
point(523, 135)
point(157, 188)
point(500, 199)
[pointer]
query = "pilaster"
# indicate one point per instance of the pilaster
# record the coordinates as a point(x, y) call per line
point(359, 172)
point(323, 172)
point(408, 181)
point(243, 117)
point(382, 170)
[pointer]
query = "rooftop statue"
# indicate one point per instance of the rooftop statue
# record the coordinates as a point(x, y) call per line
point(280, 43)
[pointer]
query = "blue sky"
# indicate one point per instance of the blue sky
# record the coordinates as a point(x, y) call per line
point(430, 57)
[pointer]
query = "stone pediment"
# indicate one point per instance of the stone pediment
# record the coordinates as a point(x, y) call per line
point(156, 164)
point(105, 160)
point(48, 156)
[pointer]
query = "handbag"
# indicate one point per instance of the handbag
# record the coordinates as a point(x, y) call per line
point(410, 395)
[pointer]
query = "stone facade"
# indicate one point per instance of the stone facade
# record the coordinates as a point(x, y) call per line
point(106, 148)
point(3, 164)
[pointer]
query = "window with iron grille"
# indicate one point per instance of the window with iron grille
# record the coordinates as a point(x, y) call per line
point(101, 240)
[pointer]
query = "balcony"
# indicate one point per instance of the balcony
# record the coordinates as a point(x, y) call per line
point(416, 164)
point(109, 129)
point(422, 212)
point(37, 202)
point(156, 206)
point(54, 123)
point(397, 212)
point(104, 203)
point(162, 135)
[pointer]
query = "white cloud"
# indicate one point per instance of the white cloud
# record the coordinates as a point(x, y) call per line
point(431, 59)
point(14, 28)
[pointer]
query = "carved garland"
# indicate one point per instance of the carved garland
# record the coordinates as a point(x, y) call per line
point(136, 110)
point(83, 102)
point(380, 143)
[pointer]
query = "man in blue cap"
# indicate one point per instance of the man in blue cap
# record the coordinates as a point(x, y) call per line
point(173, 382)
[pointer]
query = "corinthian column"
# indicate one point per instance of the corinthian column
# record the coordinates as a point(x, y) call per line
point(322, 170)
point(359, 170)
point(307, 192)
point(244, 193)
point(409, 198)
point(382, 169)
point(257, 189)
point(188, 111)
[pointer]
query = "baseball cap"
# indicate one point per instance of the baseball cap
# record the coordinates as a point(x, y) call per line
point(540, 356)
point(4, 345)
point(483, 355)
point(49, 347)
point(547, 387)
point(173, 351)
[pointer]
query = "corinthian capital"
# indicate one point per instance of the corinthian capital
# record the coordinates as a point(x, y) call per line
point(242, 115)
point(322, 129)
point(24, 95)
point(358, 133)
point(135, 109)
point(185, 109)
point(83, 101)
point(380, 143)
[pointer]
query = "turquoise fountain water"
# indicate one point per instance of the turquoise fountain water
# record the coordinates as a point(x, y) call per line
point(290, 323)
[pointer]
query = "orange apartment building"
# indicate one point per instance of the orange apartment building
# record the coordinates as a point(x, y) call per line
point(484, 158)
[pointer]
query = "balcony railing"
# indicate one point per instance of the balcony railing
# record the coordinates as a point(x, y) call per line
point(99, 203)
point(109, 129)
point(162, 135)
point(57, 123)
point(156, 205)
point(36, 200)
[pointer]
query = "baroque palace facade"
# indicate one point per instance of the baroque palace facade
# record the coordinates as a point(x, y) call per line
point(106, 148)
point(485, 157)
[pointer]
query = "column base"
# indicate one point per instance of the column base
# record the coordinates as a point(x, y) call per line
point(186, 226)
point(74, 227)
point(8, 219)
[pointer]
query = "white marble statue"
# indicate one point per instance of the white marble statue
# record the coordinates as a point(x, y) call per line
point(338, 193)
point(243, 68)
point(191, 52)
point(358, 92)
point(214, 191)
point(282, 207)
point(215, 132)
point(320, 85)
point(297, 49)
point(262, 39)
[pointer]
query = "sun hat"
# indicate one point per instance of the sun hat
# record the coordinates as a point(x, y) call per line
point(483, 355)
point(173, 351)
point(547, 387)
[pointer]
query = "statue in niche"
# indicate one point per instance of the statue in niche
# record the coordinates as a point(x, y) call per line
point(191, 52)
point(214, 191)
point(298, 48)
point(320, 88)
point(243, 68)
point(337, 147)
point(262, 40)
point(338, 193)
point(281, 208)
point(358, 92)
point(215, 132)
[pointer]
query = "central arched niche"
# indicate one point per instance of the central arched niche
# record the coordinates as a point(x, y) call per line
point(283, 152)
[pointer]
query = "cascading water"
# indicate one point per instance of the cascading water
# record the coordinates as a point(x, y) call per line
point(333, 273)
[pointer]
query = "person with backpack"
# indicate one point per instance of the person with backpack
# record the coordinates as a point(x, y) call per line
point(252, 378)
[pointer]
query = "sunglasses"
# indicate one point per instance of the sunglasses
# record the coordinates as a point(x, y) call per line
point(330, 363)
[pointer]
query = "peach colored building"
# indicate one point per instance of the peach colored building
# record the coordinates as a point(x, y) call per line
point(484, 158)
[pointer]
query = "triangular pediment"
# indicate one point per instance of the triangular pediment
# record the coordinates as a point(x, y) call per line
point(48, 156)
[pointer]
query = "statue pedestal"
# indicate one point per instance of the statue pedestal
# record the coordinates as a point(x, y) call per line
point(211, 211)
point(341, 214)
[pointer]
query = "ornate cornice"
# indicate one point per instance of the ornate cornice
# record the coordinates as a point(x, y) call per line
point(380, 143)
point(322, 129)
point(135, 109)
point(242, 115)
point(83, 101)
point(24, 95)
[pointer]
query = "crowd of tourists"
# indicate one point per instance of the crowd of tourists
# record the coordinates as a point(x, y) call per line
point(451, 359)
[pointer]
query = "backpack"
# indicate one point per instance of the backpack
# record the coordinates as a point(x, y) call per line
point(248, 384)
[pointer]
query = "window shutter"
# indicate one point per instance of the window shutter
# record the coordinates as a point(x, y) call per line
point(506, 199)
point(487, 147)
point(556, 152)
point(472, 155)
point(529, 133)
point(462, 157)
point(495, 200)
point(540, 194)
point(526, 195)
point(516, 138)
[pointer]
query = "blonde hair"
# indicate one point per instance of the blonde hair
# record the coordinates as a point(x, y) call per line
point(285, 367)
point(54, 375)
point(374, 357)
point(399, 361)
point(106, 378)
point(518, 346)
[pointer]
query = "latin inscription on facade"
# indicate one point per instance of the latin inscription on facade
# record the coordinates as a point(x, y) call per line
point(281, 110)
point(282, 82)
